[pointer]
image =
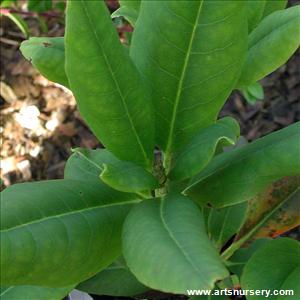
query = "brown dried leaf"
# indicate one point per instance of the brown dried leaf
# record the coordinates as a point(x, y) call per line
point(284, 194)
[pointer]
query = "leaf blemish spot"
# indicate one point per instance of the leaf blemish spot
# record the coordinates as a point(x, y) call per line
point(47, 44)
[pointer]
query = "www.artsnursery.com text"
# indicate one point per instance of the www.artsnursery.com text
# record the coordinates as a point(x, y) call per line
point(239, 292)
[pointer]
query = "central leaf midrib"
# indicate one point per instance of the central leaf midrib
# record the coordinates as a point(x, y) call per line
point(78, 211)
point(7, 290)
point(90, 161)
point(116, 83)
point(172, 237)
point(179, 89)
point(224, 223)
point(253, 230)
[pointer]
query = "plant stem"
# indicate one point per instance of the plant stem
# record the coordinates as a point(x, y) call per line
point(238, 244)
point(145, 194)
point(167, 162)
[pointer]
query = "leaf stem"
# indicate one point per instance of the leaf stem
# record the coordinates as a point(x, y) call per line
point(167, 162)
point(169, 146)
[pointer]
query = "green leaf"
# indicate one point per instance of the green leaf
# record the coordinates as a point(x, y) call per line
point(115, 280)
point(60, 232)
point(129, 14)
point(84, 164)
point(249, 98)
point(117, 110)
point(47, 54)
point(258, 10)
point(271, 44)
point(191, 48)
point(120, 175)
point(275, 210)
point(255, 11)
point(128, 177)
point(238, 175)
point(166, 247)
point(196, 155)
point(60, 5)
point(21, 24)
point(241, 256)
point(132, 4)
point(43, 24)
point(27, 292)
point(7, 3)
point(39, 5)
point(223, 223)
point(271, 6)
point(129, 10)
point(278, 263)
point(253, 92)
point(256, 90)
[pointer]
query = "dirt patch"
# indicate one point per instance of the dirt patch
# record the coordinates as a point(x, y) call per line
point(279, 108)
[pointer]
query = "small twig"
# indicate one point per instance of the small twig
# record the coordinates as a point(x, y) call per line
point(9, 42)
point(15, 34)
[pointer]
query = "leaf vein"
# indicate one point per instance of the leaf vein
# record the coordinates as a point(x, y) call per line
point(115, 81)
point(71, 213)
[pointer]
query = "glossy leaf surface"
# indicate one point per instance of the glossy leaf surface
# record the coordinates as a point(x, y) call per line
point(128, 177)
point(115, 280)
point(253, 92)
point(117, 110)
point(275, 210)
point(271, 44)
point(197, 154)
point(166, 247)
point(282, 254)
point(129, 10)
point(223, 223)
point(240, 174)
point(242, 255)
point(191, 48)
point(133, 4)
point(59, 232)
point(121, 175)
point(27, 292)
point(48, 56)
point(84, 164)
point(271, 6)
point(255, 11)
